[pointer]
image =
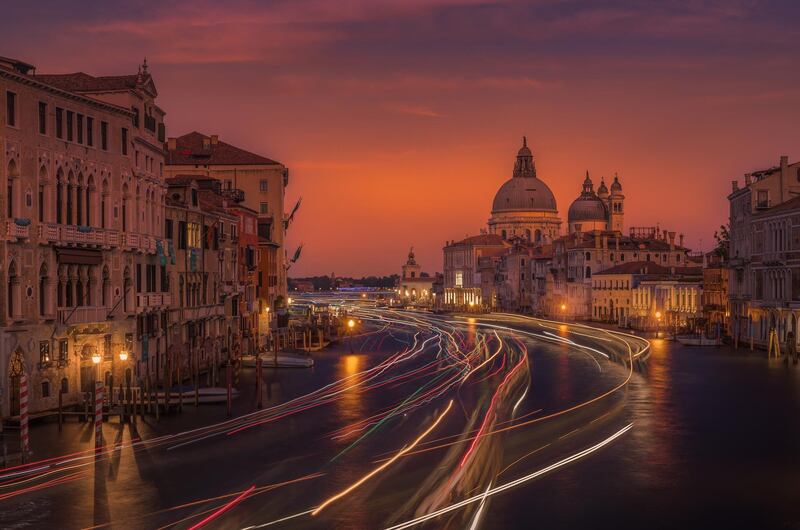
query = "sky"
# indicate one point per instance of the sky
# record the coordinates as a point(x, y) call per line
point(400, 119)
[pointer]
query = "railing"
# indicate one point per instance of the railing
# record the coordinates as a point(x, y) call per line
point(147, 300)
point(74, 235)
point(16, 231)
point(82, 315)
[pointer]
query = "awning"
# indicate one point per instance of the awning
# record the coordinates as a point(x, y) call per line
point(79, 256)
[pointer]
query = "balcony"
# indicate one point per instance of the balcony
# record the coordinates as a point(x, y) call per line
point(138, 242)
point(18, 229)
point(153, 300)
point(83, 236)
point(82, 315)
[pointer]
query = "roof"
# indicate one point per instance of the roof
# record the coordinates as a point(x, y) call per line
point(785, 206)
point(83, 82)
point(190, 150)
point(587, 241)
point(650, 268)
point(482, 239)
point(524, 194)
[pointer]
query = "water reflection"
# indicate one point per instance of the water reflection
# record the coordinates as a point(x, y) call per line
point(350, 406)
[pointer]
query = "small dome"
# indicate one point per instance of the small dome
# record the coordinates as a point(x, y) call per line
point(524, 194)
point(602, 190)
point(616, 187)
point(587, 209)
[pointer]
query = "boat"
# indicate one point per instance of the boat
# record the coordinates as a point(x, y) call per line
point(283, 361)
point(205, 395)
point(697, 340)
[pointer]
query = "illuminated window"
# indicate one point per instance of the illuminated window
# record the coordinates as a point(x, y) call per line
point(459, 279)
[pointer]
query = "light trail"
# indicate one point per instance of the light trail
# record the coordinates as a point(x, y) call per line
point(514, 483)
point(385, 464)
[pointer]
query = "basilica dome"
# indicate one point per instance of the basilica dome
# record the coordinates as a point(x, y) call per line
point(523, 194)
point(524, 191)
point(524, 207)
point(589, 211)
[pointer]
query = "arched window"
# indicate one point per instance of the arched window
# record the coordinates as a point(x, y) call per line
point(588, 272)
point(528, 234)
point(106, 294)
point(12, 189)
point(44, 294)
point(64, 385)
point(127, 286)
point(588, 256)
point(79, 200)
point(103, 205)
point(90, 193)
point(60, 196)
point(45, 388)
point(538, 235)
point(125, 208)
point(13, 291)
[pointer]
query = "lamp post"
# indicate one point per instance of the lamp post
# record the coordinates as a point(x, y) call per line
point(564, 311)
point(350, 325)
point(658, 323)
point(98, 403)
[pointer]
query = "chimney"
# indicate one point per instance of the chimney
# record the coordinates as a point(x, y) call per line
point(672, 240)
point(206, 144)
point(748, 179)
point(680, 240)
point(734, 185)
point(172, 144)
point(214, 139)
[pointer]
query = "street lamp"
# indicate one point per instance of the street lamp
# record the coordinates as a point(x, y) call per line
point(658, 323)
point(350, 325)
point(123, 355)
point(96, 357)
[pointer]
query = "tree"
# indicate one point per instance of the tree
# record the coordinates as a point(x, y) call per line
point(723, 239)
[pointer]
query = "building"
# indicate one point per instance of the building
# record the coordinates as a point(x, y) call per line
point(715, 295)
point(601, 211)
point(259, 182)
point(764, 254)
point(414, 286)
point(247, 263)
point(646, 295)
point(203, 329)
point(82, 254)
point(462, 275)
point(580, 255)
point(524, 206)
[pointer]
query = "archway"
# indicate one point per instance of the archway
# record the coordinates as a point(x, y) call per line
point(15, 370)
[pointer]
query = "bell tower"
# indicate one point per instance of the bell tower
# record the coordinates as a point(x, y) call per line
point(616, 206)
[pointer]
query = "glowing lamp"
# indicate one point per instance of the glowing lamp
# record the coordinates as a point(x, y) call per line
point(563, 307)
point(658, 315)
point(351, 323)
point(123, 356)
point(96, 358)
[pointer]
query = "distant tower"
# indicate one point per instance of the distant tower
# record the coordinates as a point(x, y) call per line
point(411, 270)
point(616, 203)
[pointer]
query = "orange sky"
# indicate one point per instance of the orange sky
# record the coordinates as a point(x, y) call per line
point(400, 119)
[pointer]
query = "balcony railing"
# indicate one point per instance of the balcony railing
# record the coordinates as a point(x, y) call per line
point(17, 231)
point(153, 300)
point(82, 315)
point(78, 235)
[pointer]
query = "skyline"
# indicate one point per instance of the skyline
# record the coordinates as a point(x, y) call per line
point(377, 128)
